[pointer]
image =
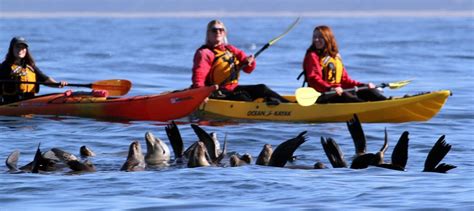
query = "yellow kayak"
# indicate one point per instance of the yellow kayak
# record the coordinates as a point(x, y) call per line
point(421, 107)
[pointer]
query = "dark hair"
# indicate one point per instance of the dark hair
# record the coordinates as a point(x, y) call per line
point(10, 57)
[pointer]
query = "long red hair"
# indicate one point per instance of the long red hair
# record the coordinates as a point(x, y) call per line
point(328, 36)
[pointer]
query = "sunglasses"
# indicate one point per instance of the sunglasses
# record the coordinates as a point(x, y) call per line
point(215, 30)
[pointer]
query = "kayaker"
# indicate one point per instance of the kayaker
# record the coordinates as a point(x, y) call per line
point(324, 71)
point(217, 62)
point(20, 66)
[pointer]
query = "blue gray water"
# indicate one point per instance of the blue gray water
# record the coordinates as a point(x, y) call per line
point(156, 55)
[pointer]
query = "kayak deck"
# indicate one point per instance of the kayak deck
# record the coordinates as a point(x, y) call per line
point(159, 107)
point(421, 107)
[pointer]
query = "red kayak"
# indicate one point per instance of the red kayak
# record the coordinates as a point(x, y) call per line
point(159, 107)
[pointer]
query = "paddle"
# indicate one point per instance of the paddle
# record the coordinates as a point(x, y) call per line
point(274, 40)
point(270, 43)
point(306, 96)
point(115, 87)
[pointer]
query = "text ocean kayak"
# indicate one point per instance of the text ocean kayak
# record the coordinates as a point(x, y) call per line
point(420, 107)
point(159, 107)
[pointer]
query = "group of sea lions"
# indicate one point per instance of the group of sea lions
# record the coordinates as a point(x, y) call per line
point(207, 152)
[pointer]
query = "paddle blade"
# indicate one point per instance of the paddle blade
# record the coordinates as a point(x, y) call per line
point(284, 33)
point(398, 84)
point(306, 96)
point(115, 87)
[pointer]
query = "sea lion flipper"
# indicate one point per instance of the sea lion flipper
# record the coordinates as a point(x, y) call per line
point(206, 138)
point(175, 138)
point(37, 160)
point(357, 134)
point(333, 152)
point(436, 154)
point(223, 153)
point(285, 150)
point(12, 160)
point(400, 152)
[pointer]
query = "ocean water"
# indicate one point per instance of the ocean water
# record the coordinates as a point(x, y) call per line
point(156, 55)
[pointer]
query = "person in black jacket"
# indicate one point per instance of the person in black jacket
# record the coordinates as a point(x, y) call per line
point(19, 66)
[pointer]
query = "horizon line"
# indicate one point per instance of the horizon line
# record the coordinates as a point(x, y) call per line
point(205, 14)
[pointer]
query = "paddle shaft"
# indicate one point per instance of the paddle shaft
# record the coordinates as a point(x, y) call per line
point(115, 87)
point(382, 85)
point(45, 83)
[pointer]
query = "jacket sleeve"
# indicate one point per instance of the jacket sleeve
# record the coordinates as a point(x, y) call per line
point(40, 76)
point(347, 82)
point(201, 67)
point(314, 73)
point(241, 56)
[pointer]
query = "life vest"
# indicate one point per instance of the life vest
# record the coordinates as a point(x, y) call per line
point(332, 69)
point(224, 68)
point(23, 74)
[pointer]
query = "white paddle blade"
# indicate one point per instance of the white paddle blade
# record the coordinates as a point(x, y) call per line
point(306, 96)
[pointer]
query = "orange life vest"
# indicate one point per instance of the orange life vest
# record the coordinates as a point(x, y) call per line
point(224, 68)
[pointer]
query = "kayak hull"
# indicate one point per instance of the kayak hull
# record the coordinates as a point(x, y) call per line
point(159, 107)
point(420, 107)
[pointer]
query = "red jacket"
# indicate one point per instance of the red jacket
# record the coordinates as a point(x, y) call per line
point(314, 75)
point(203, 59)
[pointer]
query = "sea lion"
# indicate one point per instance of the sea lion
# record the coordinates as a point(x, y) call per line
point(264, 156)
point(285, 150)
point(439, 150)
point(245, 159)
point(86, 152)
point(364, 159)
point(399, 154)
point(207, 140)
point(135, 160)
point(72, 161)
point(39, 163)
point(176, 141)
point(158, 153)
point(199, 157)
point(211, 143)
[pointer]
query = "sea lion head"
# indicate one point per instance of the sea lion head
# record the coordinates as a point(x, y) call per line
point(199, 156)
point(265, 155)
point(86, 152)
point(158, 152)
point(135, 160)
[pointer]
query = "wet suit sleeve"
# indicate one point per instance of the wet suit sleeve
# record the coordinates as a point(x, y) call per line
point(201, 67)
point(40, 76)
point(314, 73)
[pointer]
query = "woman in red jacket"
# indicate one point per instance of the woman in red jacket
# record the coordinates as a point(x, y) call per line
point(217, 62)
point(324, 71)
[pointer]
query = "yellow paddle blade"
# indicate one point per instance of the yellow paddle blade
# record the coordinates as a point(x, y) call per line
point(398, 84)
point(306, 96)
point(116, 87)
point(284, 33)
